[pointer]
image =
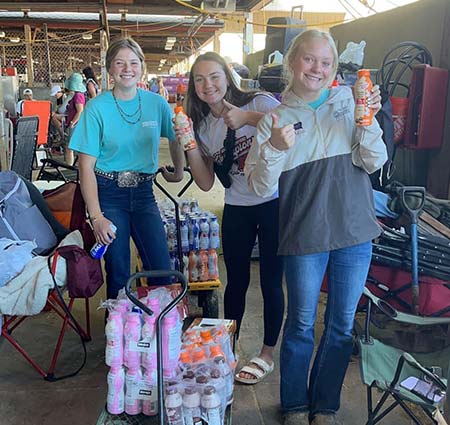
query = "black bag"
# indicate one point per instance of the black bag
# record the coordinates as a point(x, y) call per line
point(381, 178)
point(271, 78)
point(222, 170)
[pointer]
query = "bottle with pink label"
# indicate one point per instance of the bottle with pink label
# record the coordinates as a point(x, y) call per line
point(171, 342)
point(150, 405)
point(133, 378)
point(148, 357)
point(132, 334)
point(114, 340)
point(115, 402)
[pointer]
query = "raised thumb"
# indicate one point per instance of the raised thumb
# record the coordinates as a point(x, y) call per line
point(274, 120)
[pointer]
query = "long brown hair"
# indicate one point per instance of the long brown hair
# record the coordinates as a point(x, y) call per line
point(196, 108)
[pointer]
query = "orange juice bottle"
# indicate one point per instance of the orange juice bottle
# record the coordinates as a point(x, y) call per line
point(182, 121)
point(363, 89)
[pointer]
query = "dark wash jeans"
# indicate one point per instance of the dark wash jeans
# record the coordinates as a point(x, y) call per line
point(135, 213)
point(347, 270)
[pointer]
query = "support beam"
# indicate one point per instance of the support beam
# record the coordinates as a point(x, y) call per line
point(29, 53)
point(247, 45)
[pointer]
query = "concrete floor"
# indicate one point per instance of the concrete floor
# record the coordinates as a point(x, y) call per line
point(26, 399)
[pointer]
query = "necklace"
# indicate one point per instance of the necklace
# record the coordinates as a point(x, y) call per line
point(129, 117)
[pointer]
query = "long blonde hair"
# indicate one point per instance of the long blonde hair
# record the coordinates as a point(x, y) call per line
point(296, 44)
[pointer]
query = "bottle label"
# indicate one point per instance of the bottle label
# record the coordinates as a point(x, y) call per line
point(213, 416)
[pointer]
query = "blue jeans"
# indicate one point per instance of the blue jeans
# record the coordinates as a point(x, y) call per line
point(135, 213)
point(347, 270)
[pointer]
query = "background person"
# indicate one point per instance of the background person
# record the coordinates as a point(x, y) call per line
point(27, 95)
point(215, 103)
point(74, 109)
point(92, 85)
point(321, 166)
point(117, 139)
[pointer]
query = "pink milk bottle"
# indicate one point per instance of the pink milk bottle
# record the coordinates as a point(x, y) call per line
point(133, 378)
point(132, 334)
point(114, 340)
point(148, 357)
point(116, 391)
point(171, 342)
point(150, 405)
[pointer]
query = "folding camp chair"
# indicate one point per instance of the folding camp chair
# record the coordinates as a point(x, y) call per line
point(387, 367)
point(25, 146)
point(69, 207)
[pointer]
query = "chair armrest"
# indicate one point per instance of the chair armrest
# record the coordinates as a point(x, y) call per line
point(56, 164)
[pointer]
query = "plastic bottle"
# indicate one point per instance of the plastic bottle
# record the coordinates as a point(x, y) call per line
point(194, 238)
point(214, 233)
point(191, 407)
point(186, 266)
point(182, 121)
point(203, 265)
point(98, 250)
point(363, 89)
point(132, 334)
point(171, 235)
point(115, 402)
point(193, 267)
point(216, 351)
point(150, 406)
point(174, 407)
point(204, 233)
point(218, 381)
point(225, 371)
point(171, 342)
point(114, 340)
point(189, 377)
point(213, 269)
point(133, 378)
point(210, 406)
point(185, 360)
point(184, 233)
point(148, 358)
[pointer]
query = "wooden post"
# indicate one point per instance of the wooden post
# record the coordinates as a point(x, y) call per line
point(29, 53)
point(47, 54)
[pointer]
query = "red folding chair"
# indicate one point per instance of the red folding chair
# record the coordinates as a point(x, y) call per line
point(69, 208)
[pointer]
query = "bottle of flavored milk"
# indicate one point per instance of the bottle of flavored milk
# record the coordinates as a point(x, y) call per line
point(115, 402)
point(114, 340)
point(174, 407)
point(191, 406)
point(363, 89)
point(210, 406)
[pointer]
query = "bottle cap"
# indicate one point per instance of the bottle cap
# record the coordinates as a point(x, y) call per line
point(189, 374)
point(215, 373)
point(201, 379)
point(189, 390)
point(199, 355)
point(215, 350)
point(179, 109)
point(209, 390)
point(206, 334)
point(185, 357)
point(219, 359)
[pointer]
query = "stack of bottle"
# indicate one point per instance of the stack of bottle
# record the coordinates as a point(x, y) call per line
point(200, 239)
point(204, 385)
point(131, 354)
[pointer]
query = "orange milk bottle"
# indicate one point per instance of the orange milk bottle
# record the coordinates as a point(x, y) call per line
point(363, 89)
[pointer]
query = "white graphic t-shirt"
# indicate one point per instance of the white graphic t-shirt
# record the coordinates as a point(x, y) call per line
point(212, 134)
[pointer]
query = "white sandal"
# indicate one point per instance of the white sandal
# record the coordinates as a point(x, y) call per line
point(257, 367)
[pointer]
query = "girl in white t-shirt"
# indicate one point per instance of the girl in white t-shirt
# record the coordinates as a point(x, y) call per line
point(224, 119)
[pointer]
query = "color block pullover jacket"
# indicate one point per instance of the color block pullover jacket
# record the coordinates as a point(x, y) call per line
point(326, 200)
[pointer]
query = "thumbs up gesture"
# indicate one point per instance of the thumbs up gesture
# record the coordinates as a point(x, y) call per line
point(282, 138)
point(233, 116)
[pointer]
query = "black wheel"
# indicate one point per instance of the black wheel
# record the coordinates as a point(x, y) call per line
point(210, 303)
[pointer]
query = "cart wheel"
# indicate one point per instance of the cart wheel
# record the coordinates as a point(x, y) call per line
point(210, 304)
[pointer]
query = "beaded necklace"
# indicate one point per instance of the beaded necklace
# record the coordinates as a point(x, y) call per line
point(126, 116)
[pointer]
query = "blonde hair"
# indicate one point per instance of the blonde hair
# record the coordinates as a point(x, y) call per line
point(302, 38)
point(124, 43)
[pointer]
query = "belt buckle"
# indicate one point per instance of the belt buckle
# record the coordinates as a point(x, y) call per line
point(128, 179)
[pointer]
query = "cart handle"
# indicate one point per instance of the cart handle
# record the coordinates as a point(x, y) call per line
point(184, 287)
point(183, 189)
point(417, 192)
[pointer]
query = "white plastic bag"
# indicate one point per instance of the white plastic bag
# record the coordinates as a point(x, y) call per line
point(14, 255)
point(353, 53)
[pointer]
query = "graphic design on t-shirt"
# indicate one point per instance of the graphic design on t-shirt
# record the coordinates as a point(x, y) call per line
point(240, 152)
